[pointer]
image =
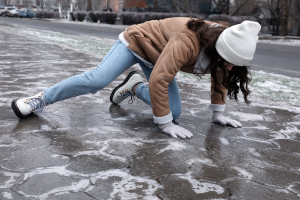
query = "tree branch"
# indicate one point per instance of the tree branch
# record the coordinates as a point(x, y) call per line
point(149, 5)
point(222, 6)
point(176, 6)
point(239, 7)
point(218, 6)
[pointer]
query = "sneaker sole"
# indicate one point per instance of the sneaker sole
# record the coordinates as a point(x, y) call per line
point(123, 83)
point(16, 110)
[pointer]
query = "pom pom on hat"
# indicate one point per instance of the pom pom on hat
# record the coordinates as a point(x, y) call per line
point(237, 43)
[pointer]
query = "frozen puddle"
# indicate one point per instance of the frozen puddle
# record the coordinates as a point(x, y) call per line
point(247, 117)
point(174, 146)
point(202, 187)
point(123, 189)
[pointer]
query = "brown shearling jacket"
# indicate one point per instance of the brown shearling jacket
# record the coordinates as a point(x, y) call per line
point(172, 47)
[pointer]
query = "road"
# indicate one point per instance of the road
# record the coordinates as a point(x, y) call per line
point(279, 59)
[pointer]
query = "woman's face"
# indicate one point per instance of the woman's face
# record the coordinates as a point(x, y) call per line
point(228, 65)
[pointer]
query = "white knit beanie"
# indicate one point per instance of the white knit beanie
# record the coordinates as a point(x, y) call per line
point(237, 43)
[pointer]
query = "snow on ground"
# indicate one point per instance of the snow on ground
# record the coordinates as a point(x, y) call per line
point(272, 89)
point(281, 42)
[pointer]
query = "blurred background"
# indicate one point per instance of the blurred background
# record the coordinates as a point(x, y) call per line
point(277, 17)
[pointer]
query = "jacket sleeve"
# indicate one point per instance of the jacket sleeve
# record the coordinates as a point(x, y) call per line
point(176, 53)
point(217, 102)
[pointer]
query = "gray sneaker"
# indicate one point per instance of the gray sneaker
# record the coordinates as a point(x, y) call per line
point(124, 90)
point(34, 104)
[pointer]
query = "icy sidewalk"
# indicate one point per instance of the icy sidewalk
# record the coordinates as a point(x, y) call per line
point(86, 148)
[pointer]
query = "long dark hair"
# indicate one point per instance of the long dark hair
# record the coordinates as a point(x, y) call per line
point(233, 80)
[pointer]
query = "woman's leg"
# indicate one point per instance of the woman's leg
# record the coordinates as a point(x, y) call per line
point(142, 92)
point(117, 60)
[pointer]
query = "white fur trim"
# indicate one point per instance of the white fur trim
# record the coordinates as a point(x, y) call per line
point(217, 107)
point(122, 39)
point(215, 25)
point(164, 119)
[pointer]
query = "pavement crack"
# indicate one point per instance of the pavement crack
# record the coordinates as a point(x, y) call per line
point(230, 195)
point(90, 195)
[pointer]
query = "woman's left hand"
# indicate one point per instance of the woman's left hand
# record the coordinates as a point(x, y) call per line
point(218, 118)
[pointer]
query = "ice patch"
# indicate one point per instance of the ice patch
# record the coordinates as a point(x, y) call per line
point(11, 180)
point(243, 172)
point(61, 170)
point(202, 187)
point(205, 161)
point(248, 117)
point(257, 127)
point(59, 156)
point(174, 146)
point(288, 133)
point(111, 129)
point(282, 191)
point(288, 42)
point(46, 127)
point(224, 141)
point(125, 188)
point(74, 187)
point(106, 145)
point(253, 152)
point(7, 195)
point(294, 123)
point(254, 139)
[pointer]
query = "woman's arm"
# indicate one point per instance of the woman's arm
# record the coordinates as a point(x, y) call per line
point(218, 103)
point(176, 53)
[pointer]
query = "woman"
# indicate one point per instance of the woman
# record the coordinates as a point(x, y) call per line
point(163, 48)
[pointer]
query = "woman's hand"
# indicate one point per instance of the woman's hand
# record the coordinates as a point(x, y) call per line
point(174, 130)
point(218, 118)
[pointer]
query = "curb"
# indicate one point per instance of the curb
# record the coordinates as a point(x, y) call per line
point(66, 21)
point(262, 37)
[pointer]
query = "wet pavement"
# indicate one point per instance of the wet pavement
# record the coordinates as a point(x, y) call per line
point(87, 148)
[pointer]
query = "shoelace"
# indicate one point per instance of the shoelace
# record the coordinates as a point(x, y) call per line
point(37, 103)
point(127, 94)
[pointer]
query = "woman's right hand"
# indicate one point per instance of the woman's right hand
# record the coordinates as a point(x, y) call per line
point(218, 118)
point(174, 130)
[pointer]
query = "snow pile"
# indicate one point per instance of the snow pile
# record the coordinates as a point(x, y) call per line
point(90, 45)
point(280, 90)
point(281, 42)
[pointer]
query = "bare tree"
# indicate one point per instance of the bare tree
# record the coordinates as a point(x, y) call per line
point(6, 2)
point(294, 15)
point(284, 17)
point(180, 6)
point(153, 7)
point(274, 9)
point(298, 11)
point(224, 6)
point(42, 4)
point(26, 3)
point(64, 5)
point(38, 2)
point(82, 4)
point(49, 5)
point(89, 5)
point(98, 4)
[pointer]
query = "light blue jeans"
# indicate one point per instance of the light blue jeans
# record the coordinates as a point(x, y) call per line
point(117, 60)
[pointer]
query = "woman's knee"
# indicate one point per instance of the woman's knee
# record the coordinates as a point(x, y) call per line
point(93, 82)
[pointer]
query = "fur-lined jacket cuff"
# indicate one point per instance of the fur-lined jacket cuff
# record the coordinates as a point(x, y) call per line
point(217, 107)
point(164, 119)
